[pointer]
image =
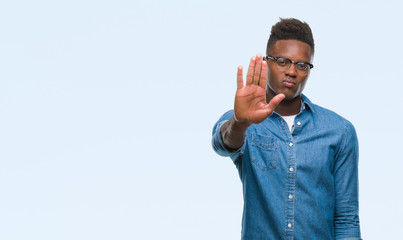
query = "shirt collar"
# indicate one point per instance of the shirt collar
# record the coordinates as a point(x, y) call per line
point(306, 103)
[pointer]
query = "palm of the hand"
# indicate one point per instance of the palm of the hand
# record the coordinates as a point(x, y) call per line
point(250, 104)
point(250, 100)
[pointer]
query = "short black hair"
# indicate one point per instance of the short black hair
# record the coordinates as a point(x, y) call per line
point(291, 28)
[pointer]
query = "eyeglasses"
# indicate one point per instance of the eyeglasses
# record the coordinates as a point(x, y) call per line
point(284, 64)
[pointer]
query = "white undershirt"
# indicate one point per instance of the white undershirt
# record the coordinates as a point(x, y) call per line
point(290, 121)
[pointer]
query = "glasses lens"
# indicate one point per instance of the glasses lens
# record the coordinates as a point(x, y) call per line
point(303, 67)
point(283, 62)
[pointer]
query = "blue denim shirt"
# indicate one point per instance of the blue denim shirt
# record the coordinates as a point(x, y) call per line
point(299, 185)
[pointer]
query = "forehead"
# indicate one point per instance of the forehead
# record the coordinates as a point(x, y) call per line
point(292, 49)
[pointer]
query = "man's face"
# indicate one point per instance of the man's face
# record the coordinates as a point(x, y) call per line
point(291, 81)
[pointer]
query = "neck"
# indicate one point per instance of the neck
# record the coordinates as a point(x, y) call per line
point(287, 107)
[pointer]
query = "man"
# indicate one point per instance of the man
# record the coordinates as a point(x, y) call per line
point(298, 162)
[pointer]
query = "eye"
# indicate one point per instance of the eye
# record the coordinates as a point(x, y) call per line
point(282, 61)
point(303, 66)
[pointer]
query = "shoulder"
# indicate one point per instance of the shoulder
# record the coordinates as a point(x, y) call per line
point(329, 117)
point(334, 125)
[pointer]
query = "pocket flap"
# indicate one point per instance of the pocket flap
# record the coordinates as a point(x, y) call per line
point(264, 142)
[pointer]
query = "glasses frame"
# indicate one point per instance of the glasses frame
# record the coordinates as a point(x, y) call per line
point(291, 61)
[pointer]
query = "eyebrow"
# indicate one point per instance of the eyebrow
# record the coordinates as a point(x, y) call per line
point(293, 61)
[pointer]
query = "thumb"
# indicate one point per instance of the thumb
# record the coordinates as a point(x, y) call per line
point(274, 102)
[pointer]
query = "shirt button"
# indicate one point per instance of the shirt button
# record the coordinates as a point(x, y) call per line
point(291, 169)
point(289, 225)
point(299, 123)
point(291, 144)
point(290, 196)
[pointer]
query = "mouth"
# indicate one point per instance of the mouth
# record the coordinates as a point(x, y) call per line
point(288, 83)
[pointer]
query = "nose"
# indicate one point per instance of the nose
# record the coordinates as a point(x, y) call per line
point(291, 71)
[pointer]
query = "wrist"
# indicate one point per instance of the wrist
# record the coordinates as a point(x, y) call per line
point(240, 124)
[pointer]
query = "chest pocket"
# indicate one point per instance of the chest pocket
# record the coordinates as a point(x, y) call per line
point(264, 151)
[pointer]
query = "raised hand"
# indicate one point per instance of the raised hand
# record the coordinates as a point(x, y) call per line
point(250, 100)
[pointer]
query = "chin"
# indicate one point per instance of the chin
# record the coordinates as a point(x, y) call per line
point(289, 93)
point(290, 97)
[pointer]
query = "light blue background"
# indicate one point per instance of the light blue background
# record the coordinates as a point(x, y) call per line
point(107, 107)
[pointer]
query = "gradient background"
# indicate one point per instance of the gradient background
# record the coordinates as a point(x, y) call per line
point(107, 108)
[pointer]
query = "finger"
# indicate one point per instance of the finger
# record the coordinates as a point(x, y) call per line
point(239, 78)
point(249, 75)
point(263, 75)
point(258, 69)
point(274, 102)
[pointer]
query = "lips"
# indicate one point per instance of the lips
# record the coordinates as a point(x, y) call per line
point(288, 83)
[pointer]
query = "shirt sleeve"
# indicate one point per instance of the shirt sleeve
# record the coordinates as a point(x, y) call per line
point(346, 218)
point(218, 144)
